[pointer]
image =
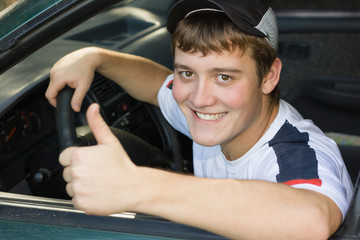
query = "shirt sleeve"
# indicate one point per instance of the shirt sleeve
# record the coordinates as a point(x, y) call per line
point(307, 159)
point(335, 182)
point(170, 109)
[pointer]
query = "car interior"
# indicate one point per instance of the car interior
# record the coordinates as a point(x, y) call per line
point(320, 77)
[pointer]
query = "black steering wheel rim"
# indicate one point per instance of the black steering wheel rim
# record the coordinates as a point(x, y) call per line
point(134, 146)
point(65, 123)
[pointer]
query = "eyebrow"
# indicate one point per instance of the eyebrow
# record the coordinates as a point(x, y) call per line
point(229, 70)
point(176, 65)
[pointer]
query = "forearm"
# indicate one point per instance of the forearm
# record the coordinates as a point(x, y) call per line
point(138, 76)
point(238, 209)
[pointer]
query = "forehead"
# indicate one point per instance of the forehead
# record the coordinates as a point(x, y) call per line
point(223, 59)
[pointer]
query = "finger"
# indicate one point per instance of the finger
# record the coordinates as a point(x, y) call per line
point(69, 190)
point(98, 126)
point(52, 92)
point(67, 174)
point(66, 156)
point(78, 97)
point(55, 85)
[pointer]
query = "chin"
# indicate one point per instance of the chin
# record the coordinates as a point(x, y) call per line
point(207, 142)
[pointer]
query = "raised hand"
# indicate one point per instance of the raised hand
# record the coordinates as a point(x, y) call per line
point(102, 178)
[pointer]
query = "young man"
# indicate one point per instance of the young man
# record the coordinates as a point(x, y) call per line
point(261, 171)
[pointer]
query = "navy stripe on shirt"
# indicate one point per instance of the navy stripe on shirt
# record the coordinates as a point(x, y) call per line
point(297, 160)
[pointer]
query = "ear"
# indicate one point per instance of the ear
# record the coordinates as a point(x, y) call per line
point(272, 78)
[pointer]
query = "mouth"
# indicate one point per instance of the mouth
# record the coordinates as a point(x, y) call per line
point(210, 117)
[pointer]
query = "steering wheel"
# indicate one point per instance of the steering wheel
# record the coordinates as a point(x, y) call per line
point(141, 152)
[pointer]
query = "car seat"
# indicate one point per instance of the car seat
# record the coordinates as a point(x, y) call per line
point(333, 103)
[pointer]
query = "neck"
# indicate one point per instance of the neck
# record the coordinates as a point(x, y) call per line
point(238, 146)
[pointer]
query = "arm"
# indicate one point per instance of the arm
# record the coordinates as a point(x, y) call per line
point(240, 209)
point(233, 208)
point(140, 77)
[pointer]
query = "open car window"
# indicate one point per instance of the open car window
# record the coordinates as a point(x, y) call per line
point(22, 13)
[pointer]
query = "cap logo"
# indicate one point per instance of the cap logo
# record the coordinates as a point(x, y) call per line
point(268, 26)
point(203, 9)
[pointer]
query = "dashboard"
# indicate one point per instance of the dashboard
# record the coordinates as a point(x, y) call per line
point(24, 125)
point(29, 149)
point(28, 140)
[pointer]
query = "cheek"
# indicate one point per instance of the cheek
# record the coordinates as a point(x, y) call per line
point(241, 97)
point(178, 91)
point(234, 97)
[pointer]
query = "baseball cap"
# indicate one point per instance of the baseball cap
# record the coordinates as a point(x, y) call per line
point(251, 16)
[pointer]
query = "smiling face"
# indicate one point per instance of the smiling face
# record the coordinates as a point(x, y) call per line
point(221, 98)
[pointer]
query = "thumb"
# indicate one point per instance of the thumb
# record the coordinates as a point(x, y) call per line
point(98, 126)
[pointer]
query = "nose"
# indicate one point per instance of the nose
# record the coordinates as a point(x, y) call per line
point(203, 94)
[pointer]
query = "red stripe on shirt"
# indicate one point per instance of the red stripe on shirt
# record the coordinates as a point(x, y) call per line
point(169, 84)
point(314, 181)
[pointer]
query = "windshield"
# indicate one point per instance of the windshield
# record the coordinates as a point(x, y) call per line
point(5, 3)
point(20, 13)
point(17, 14)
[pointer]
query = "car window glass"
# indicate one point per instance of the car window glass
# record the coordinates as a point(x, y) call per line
point(21, 12)
point(6, 3)
point(314, 4)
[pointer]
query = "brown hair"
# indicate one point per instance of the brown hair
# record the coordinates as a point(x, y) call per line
point(208, 32)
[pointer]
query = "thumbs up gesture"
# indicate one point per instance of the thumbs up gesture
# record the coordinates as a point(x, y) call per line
point(99, 178)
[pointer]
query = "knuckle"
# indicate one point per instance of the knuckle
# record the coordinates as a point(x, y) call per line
point(82, 203)
point(76, 188)
point(78, 156)
point(78, 203)
point(52, 73)
point(75, 173)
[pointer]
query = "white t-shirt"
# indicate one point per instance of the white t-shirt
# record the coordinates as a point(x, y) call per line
point(293, 151)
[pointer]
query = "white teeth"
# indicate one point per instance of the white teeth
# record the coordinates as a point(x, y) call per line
point(209, 117)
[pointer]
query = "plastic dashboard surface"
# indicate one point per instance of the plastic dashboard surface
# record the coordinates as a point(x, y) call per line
point(27, 123)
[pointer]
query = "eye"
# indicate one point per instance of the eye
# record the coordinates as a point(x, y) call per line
point(187, 74)
point(223, 78)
